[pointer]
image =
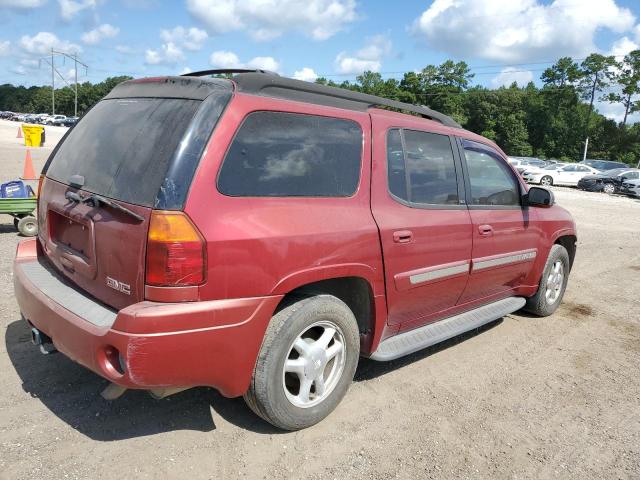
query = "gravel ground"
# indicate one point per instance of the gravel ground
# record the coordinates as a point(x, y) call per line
point(524, 397)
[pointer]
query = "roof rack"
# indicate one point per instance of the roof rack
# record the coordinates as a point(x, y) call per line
point(270, 84)
point(223, 71)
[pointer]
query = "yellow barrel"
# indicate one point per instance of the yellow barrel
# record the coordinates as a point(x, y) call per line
point(33, 135)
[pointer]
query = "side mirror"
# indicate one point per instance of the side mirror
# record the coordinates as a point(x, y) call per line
point(540, 197)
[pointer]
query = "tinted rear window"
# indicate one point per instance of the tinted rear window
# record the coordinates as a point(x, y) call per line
point(277, 154)
point(123, 147)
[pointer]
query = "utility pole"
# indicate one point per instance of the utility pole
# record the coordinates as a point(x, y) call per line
point(586, 146)
point(54, 70)
point(53, 87)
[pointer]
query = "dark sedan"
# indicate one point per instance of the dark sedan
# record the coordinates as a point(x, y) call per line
point(609, 181)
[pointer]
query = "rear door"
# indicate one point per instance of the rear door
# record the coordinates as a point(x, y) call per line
point(504, 240)
point(131, 151)
point(425, 230)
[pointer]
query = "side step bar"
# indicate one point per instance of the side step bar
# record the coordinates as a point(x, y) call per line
point(423, 337)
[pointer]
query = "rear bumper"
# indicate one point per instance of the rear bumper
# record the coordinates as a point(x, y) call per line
point(152, 345)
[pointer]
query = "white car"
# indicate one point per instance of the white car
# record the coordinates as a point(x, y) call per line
point(533, 169)
point(631, 187)
point(569, 174)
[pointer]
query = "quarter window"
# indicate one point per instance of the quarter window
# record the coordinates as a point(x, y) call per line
point(421, 168)
point(278, 154)
point(492, 182)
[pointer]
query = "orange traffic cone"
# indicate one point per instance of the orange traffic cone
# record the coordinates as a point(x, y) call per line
point(19, 135)
point(29, 173)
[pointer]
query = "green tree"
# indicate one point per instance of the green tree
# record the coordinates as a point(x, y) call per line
point(628, 78)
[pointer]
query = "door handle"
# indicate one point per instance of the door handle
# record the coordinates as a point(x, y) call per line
point(402, 236)
point(485, 230)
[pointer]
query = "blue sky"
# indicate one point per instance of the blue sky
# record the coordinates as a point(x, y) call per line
point(503, 40)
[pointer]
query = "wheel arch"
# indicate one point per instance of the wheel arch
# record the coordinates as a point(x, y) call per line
point(355, 291)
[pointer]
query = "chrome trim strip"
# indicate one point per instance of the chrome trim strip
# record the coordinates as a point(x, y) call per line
point(439, 273)
point(504, 260)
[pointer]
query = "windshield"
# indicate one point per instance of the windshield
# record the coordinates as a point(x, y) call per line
point(616, 171)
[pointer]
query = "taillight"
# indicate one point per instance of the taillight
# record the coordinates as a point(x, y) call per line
point(40, 181)
point(175, 251)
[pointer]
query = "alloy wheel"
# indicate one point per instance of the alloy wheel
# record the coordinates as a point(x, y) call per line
point(555, 280)
point(314, 364)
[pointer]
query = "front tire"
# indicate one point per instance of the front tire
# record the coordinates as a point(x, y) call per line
point(552, 284)
point(546, 181)
point(306, 363)
point(609, 188)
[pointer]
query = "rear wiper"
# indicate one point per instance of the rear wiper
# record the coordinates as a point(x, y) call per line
point(95, 201)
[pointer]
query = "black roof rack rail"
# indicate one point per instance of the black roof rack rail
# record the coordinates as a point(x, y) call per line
point(258, 83)
point(223, 71)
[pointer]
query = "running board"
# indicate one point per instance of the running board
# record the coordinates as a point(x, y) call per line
point(423, 337)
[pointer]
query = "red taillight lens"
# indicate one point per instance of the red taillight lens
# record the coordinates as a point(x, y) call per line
point(40, 181)
point(175, 251)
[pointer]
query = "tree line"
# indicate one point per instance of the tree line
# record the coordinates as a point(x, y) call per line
point(551, 121)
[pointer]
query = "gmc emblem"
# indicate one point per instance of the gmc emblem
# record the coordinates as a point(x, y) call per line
point(119, 286)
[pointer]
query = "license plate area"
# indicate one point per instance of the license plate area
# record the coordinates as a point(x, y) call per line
point(71, 243)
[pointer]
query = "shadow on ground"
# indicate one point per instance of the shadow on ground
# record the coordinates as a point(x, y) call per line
point(71, 392)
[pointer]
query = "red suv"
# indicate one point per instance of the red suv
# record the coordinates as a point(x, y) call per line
point(259, 234)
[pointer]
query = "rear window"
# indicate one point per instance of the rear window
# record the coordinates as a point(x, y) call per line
point(278, 154)
point(123, 147)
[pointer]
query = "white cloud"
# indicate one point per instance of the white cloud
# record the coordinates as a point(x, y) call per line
point(19, 69)
point(267, 19)
point(307, 74)
point(519, 30)
point(42, 43)
point(225, 59)
point(190, 39)
point(70, 8)
point(509, 75)
point(168, 54)
point(368, 58)
point(22, 4)
point(98, 34)
point(185, 70)
point(222, 59)
point(5, 48)
point(264, 63)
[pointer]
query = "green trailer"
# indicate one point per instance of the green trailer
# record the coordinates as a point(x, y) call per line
point(21, 209)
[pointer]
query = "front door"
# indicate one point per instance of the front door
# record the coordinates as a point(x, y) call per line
point(425, 228)
point(504, 240)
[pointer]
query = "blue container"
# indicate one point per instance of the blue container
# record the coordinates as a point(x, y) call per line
point(15, 189)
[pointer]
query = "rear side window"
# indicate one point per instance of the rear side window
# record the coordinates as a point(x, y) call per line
point(492, 182)
point(421, 168)
point(123, 147)
point(278, 154)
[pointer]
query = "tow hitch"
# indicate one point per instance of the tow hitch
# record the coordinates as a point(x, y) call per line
point(43, 341)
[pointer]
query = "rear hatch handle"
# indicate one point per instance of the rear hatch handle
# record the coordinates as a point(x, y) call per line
point(97, 200)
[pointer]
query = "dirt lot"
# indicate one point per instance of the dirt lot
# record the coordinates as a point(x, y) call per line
point(525, 397)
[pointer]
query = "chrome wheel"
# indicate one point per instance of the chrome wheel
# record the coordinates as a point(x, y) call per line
point(546, 181)
point(314, 364)
point(555, 280)
point(609, 188)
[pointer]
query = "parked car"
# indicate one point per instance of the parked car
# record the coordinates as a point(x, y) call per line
point(603, 165)
point(608, 181)
point(569, 174)
point(631, 187)
point(530, 173)
point(56, 119)
point(264, 233)
point(530, 163)
point(68, 122)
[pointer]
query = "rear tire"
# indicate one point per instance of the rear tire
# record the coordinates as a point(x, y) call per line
point(298, 380)
point(547, 181)
point(28, 226)
point(552, 284)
